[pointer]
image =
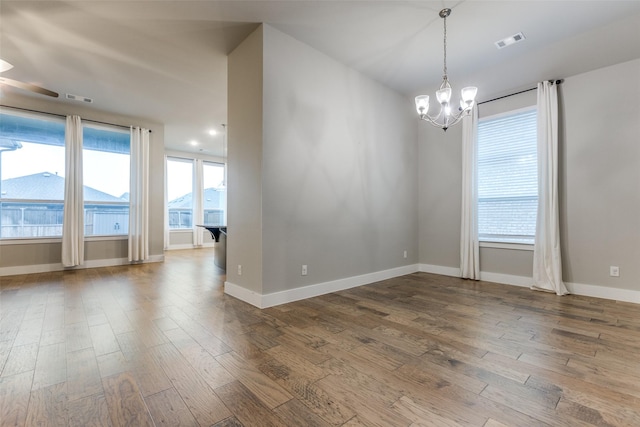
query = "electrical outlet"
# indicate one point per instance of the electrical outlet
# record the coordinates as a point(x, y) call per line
point(405, 254)
point(614, 271)
point(239, 270)
point(304, 269)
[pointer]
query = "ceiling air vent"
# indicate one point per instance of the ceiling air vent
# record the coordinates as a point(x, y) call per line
point(79, 98)
point(500, 44)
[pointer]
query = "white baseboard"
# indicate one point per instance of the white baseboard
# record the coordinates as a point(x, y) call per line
point(179, 247)
point(506, 279)
point(617, 294)
point(189, 246)
point(283, 297)
point(243, 294)
point(596, 291)
point(46, 268)
point(439, 269)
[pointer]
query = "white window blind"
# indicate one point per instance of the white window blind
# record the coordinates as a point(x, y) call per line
point(507, 178)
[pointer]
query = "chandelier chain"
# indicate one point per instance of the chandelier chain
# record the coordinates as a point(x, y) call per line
point(444, 69)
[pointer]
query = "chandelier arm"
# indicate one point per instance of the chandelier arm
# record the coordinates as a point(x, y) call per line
point(452, 120)
point(430, 118)
point(456, 120)
point(434, 123)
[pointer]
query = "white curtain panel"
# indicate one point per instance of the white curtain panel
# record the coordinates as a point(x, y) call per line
point(198, 204)
point(469, 246)
point(73, 216)
point(139, 196)
point(547, 263)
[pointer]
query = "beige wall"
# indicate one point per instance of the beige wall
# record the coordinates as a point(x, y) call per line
point(30, 255)
point(599, 184)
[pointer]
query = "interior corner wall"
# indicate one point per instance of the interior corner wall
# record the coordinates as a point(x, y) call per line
point(599, 168)
point(97, 252)
point(244, 159)
point(339, 170)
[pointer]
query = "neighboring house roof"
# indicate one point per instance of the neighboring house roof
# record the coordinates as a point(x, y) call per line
point(46, 186)
point(213, 199)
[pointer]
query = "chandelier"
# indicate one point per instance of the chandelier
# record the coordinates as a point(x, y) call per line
point(445, 118)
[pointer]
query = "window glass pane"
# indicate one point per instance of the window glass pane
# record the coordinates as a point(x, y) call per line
point(105, 157)
point(507, 178)
point(31, 176)
point(180, 193)
point(215, 193)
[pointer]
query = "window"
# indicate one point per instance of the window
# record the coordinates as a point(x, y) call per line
point(180, 193)
point(507, 177)
point(32, 181)
point(105, 168)
point(31, 176)
point(215, 196)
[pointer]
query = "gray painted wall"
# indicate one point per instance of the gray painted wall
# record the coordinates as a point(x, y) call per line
point(599, 180)
point(338, 168)
point(50, 253)
point(244, 154)
point(600, 176)
point(440, 187)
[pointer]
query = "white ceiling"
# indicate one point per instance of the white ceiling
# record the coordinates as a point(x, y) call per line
point(166, 60)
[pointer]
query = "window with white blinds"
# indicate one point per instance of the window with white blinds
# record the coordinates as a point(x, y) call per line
point(507, 177)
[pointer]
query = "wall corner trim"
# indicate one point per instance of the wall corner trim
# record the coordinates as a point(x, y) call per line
point(283, 297)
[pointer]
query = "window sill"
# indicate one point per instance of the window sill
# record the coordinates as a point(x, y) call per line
point(30, 240)
point(510, 246)
point(45, 240)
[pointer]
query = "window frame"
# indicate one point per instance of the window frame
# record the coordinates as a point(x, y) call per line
point(224, 180)
point(85, 202)
point(192, 162)
point(37, 240)
point(494, 241)
point(44, 118)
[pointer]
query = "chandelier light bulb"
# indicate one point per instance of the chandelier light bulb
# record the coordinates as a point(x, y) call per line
point(422, 104)
point(444, 95)
point(468, 94)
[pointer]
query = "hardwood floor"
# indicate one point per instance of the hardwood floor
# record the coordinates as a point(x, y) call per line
point(160, 344)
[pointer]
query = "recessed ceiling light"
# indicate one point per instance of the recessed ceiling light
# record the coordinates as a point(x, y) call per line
point(508, 41)
point(193, 142)
point(213, 132)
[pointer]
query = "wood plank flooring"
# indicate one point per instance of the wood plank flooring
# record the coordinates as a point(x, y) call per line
point(160, 344)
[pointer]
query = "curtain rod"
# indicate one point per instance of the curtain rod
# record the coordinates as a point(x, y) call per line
point(559, 81)
point(63, 116)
